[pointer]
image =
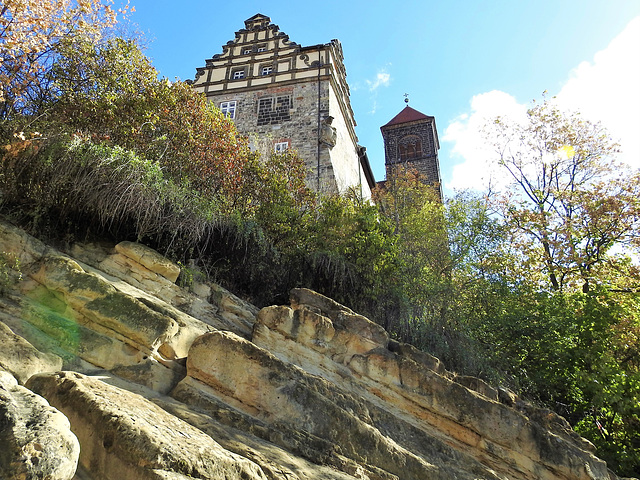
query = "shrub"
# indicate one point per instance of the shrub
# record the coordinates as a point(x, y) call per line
point(106, 188)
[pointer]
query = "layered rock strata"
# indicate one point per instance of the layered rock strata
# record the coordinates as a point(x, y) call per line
point(161, 382)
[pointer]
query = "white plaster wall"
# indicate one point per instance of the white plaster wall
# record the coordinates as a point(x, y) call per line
point(344, 156)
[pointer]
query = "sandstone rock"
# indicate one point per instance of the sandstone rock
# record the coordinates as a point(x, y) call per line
point(342, 317)
point(136, 264)
point(339, 336)
point(72, 337)
point(507, 397)
point(159, 377)
point(301, 297)
point(15, 242)
point(307, 391)
point(125, 436)
point(22, 359)
point(189, 328)
point(234, 310)
point(554, 423)
point(421, 358)
point(257, 383)
point(282, 454)
point(312, 360)
point(407, 380)
point(91, 253)
point(100, 302)
point(226, 312)
point(84, 349)
point(150, 259)
point(30, 322)
point(91, 319)
point(36, 440)
point(303, 326)
point(201, 290)
point(490, 428)
point(139, 276)
point(122, 267)
point(477, 385)
point(379, 365)
point(83, 316)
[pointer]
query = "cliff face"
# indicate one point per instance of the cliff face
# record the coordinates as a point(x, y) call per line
point(109, 370)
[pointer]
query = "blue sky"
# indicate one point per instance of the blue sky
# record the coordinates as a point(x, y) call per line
point(459, 60)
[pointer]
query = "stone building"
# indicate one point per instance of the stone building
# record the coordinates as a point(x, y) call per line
point(290, 96)
point(411, 139)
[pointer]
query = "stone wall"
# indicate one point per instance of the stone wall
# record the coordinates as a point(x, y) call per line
point(344, 156)
point(299, 128)
point(426, 162)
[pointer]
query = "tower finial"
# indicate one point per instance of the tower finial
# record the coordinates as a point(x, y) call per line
point(406, 98)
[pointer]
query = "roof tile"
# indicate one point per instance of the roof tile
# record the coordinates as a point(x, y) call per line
point(408, 114)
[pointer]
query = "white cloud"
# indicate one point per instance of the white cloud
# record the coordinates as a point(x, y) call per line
point(477, 170)
point(605, 90)
point(382, 80)
point(374, 107)
point(608, 90)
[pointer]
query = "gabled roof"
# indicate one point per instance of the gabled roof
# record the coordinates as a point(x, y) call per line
point(258, 18)
point(407, 115)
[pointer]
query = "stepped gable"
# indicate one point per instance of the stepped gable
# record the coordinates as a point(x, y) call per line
point(287, 96)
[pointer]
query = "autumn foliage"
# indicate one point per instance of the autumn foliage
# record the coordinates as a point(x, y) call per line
point(570, 203)
point(533, 288)
point(30, 30)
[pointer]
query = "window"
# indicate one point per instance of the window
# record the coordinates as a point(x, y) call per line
point(246, 51)
point(228, 109)
point(262, 48)
point(409, 148)
point(281, 147)
point(274, 110)
point(238, 74)
point(268, 70)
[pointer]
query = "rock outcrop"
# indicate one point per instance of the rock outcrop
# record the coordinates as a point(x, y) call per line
point(161, 382)
point(36, 440)
point(123, 435)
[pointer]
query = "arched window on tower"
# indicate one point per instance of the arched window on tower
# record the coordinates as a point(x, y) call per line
point(409, 147)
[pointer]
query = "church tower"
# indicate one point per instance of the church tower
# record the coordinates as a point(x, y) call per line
point(411, 139)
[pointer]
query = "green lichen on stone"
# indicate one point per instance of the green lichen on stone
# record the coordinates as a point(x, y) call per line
point(130, 317)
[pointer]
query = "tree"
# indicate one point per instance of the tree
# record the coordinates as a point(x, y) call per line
point(444, 251)
point(577, 354)
point(29, 33)
point(109, 92)
point(571, 203)
point(572, 332)
point(414, 210)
